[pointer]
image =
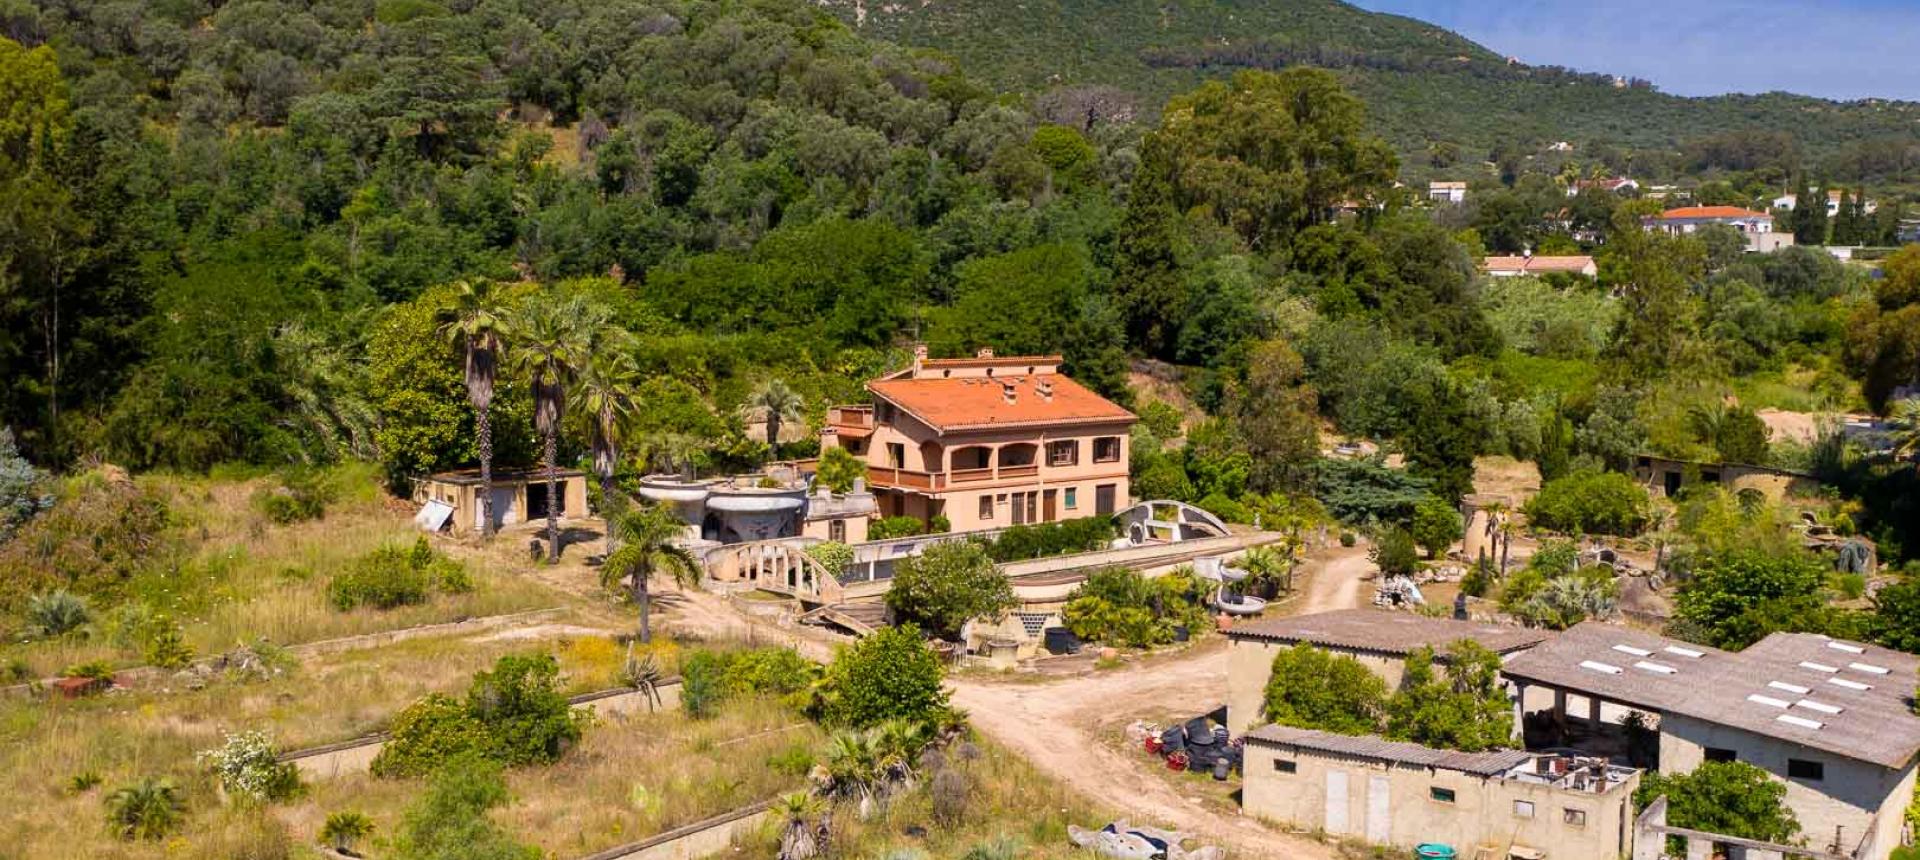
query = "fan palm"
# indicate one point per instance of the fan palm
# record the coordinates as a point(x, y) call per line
point(1905, 434)
point(647, 546)
point(800, 838)
point(552, 333)
point(780, 404)
point(148, 809)
point(477, 324)
point(606, 381)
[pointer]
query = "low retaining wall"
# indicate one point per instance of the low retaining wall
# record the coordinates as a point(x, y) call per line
point(356, 755)
point(698, 839)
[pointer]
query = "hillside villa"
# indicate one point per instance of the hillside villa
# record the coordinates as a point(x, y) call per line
point(1756, 226)
point(987, 442)
point(1514, 267)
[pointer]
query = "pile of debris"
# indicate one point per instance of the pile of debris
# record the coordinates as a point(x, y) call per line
point(1123, 841)
point(1202, 745)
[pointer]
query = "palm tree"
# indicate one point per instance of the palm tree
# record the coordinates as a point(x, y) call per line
point(1905, 434)
point(606, 382)
point(1499, 516)
point(800, 837)
point(780, 404)
point(666, 451)
point(148, 809)
point(478, 326)
point(647, 538)
point(551, 331)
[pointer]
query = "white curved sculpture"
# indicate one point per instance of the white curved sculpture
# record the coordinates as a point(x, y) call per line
point(1239, 605)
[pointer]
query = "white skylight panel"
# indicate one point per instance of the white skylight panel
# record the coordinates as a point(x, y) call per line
point(1629, 649)
point(1849, 648)
point(1684, 652)
point(1802, 722)
point(1818, 667)
point(1849, 684)
point(1796, 689)
point(1651, 666)
point(1869, 668)
point(1598, 666)
point(1769, 701)
point(1822, 707)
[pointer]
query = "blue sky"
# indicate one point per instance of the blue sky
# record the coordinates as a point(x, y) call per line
point(1842, 49)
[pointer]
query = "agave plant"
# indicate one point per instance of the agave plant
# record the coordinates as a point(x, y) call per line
point(644, 675)
point(345, 829)
point(56, 613)
point(148, 809)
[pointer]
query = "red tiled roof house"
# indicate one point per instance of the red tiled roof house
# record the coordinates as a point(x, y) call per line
point(987, 442)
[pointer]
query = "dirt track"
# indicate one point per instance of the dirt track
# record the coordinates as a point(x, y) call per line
point(1051, 724)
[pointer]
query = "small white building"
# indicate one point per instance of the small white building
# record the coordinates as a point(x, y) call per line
point(1610, 184)
point(1756, 226)
point(1447, 192)
point(1835, 199)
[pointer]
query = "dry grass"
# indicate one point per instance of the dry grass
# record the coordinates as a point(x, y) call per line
point(1014, 811)
point(124, 736)
point(241, 578)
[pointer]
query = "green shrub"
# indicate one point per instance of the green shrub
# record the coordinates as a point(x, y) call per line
point(1123, 607)
point(527, 720)
point(56, 613)
point(148, 809)
point(382, 579)
point(428, 734)
point(83, 782)
point(97, 670)
point(1085, 534)
point(839, 469)
point(796, 760)
point(450, 819)
point(300, 495)
point(1161, 419)
point(888, 528)
point(832, 555)
point(889, 675)
point(1348, 539)
point(947, 585)
point(390, 577)
point(166, 646)
point(710, 678)
point(1591, 502)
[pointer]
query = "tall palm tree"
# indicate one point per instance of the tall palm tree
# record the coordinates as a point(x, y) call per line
point(607, 378)
point(647, 546)
point(551, 331)
point(477, 324)
point(780, 403)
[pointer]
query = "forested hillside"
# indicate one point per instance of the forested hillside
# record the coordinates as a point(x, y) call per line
point(1445, 102)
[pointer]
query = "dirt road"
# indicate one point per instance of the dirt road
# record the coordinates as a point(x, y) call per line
point(1048, 724)
point(1334, 580)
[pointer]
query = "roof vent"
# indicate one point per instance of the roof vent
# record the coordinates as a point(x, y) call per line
point(1796, 689)
point(1868, 668)
point(1818, 667)
point(1802, 722)
point(1007, 391)
point(1598, 666)
point(1849, 684)
point(1629, 649)
point(1849, 648)
point(1045, 387)
point(1684, 652)
point(985, 352)
point(1650, 666)
point(1822, 707)
point(1769, 701)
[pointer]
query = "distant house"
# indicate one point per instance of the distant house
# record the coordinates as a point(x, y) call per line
point(1513, 267)
point(1447, 192)
point(1756, 226)
point(1835, 198)
point(1611, 185)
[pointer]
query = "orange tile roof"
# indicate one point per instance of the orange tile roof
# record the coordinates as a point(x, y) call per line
point(978, 403)
point(1711, 212)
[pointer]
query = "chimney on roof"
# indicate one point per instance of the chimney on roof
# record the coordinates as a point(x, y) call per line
point(1045, 387)
point(1007, 390)
point(985, 352)
point(919, 355)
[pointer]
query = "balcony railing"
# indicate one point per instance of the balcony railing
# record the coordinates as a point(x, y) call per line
point(911, 479)
point(969, 476)
point(1027, 471)
point(887, 476)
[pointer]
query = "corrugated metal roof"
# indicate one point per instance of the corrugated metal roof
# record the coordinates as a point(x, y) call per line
point(1380, 749)
point(1872, 722)
point(1387, 632)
